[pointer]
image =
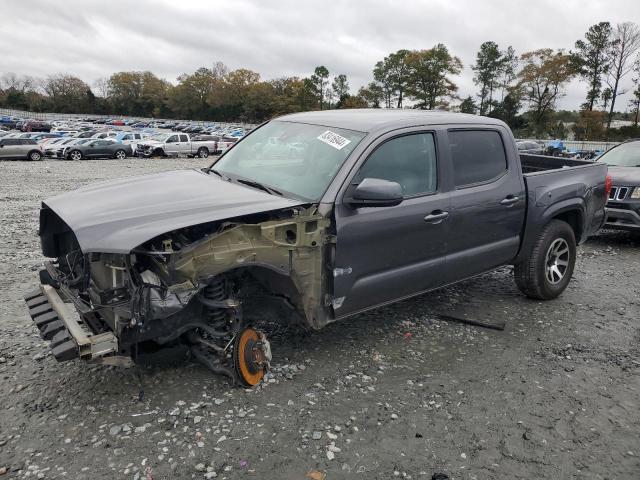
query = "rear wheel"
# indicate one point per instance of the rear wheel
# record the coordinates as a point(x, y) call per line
point(121, 154)
point(548, 268)
point(35, 156)
point(203, 152)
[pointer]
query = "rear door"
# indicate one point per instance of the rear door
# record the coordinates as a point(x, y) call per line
point(487, 202)
point(387, 253)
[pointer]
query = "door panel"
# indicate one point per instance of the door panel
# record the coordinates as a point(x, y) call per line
point(486, 217)
point(387, 253)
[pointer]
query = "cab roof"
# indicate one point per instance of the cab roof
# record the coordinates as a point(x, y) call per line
point(373, 119)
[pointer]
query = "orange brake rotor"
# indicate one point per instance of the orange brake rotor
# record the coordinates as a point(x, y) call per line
point(248, 357)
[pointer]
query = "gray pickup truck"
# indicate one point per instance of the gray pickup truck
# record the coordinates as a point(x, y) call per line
point(314, 217)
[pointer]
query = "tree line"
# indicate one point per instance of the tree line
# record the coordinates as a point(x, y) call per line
point(521, 89)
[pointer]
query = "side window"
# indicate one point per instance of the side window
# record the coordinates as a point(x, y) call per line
point(477, 155)
point(184, 138)
point(409, 160)
point(137, 136)
point(172, 139)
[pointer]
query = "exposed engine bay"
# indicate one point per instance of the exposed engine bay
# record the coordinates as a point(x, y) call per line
point(203, 285)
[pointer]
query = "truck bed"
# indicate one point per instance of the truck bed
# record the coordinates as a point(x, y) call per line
point(541, 163)
point(555, 183)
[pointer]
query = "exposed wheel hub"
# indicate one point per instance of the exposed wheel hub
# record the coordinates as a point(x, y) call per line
point(251, 356)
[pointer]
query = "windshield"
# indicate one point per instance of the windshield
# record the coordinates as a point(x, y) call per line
point(624, 155)
point(295, 158)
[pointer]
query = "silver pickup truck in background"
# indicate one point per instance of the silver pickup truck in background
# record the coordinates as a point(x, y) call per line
point(176, 144)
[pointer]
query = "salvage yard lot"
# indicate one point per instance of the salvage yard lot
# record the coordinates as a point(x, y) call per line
point(394, 392)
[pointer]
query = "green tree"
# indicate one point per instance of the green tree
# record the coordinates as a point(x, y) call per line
point(543, 77)
point(373, 94)
point(340, 87)
point(319, 80)
point(592, 59)
point(393, 74)
point(429, 79)
point(469, 105)
point(509, 71)
point(488, 70)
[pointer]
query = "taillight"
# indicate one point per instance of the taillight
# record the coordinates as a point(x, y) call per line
point(608, 182)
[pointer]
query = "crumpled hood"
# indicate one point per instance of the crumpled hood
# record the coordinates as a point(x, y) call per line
point(119, 215)
point(625, 176)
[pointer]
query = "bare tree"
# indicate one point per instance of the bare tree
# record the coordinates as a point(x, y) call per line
point(101, 86)
point(626, 42)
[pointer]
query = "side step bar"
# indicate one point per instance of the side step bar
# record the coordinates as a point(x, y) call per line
point(68, 340)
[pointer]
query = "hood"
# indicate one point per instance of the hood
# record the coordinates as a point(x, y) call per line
point(119, 215)
point(625, 176)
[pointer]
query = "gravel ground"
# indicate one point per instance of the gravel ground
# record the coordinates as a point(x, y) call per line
point(392, 393)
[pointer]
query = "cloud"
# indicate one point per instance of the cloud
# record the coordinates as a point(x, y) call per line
point(92, 39)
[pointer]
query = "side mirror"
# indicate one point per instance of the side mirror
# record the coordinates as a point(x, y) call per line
point(375, 192)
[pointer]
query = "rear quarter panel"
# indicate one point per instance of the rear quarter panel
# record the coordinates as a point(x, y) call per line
point(554, 192)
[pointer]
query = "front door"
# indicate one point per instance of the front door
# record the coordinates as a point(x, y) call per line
point(387, 253)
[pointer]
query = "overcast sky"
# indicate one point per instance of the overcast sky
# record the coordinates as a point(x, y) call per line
point(92, 39)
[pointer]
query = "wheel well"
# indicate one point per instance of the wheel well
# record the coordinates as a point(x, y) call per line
point(267, 293)
point(574, 219)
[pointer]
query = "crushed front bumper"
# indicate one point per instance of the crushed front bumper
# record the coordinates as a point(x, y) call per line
point(68, 337)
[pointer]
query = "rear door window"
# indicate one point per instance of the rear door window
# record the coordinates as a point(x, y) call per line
point(184, 138)
point(478, 156)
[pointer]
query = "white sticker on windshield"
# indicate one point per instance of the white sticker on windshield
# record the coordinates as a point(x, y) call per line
point(336, 141)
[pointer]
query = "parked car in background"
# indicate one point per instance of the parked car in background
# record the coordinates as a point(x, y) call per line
point(105, 134)
point(36, 126)
point(529, 146)
point(129, 138)
point(20, 149)
point(225, 143)
point(623, 205)
point(61, 153)
point(51, 148)
point(100, 148)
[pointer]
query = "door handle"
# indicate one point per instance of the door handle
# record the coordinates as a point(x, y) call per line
point(436, 216)
point(509, 200)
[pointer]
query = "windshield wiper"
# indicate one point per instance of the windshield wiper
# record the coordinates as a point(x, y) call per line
point(221, 175)
point(254, 184)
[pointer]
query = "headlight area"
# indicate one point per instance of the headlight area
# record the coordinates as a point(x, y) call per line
point(635, 195)
point(132, 290)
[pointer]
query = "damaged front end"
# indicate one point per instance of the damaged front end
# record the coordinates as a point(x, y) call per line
point(203, 286)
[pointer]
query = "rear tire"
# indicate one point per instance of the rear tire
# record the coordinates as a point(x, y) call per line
point(203, 152)
point(548, 267)
point(35, 156)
